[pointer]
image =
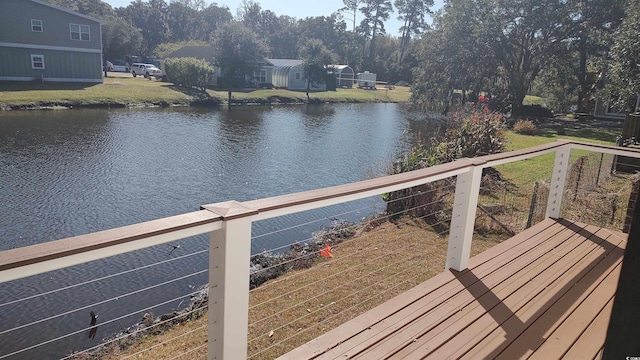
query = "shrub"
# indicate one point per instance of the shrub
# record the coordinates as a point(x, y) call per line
point(474, 134)
point(524, 127)
point(189, 72)
point(467, 135)
point(470, 135)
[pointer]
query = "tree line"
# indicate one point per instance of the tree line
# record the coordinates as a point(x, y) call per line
point(354, 34)
point(566, 51)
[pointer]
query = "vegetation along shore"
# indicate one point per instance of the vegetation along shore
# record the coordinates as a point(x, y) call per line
point(134, 92)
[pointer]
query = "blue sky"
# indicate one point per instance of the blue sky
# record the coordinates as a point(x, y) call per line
point(298, 9)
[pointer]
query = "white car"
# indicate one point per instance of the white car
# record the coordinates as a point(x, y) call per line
point(146, 70)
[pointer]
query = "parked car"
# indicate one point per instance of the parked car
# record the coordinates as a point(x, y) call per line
point(146, 70)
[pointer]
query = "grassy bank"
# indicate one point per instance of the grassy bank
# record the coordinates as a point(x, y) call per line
point(399, 94)
point(127, 91)
point(113, 92)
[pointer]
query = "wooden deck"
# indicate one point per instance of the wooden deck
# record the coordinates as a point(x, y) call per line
point(546, 293)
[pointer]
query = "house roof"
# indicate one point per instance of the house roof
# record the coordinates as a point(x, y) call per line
point(202, 52)
point(285, 62)
point(91, 18)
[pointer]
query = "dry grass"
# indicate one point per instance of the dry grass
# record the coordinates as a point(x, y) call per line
point(285, 313)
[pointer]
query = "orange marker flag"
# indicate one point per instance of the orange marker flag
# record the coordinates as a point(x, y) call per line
point(326, 252)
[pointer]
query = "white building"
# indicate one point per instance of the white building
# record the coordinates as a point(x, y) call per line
point(289, 74)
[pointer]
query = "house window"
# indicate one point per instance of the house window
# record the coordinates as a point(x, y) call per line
point(37, 61)
point(36, 25)
point(80, 32)
point(297, 76)
point(260, 75)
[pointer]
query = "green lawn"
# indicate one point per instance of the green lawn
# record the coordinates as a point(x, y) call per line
point(399, 94)
point(532, 100)
point(114, 91)
point(126, 91)
point(534, 169)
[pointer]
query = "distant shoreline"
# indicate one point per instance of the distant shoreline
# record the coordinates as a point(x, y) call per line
point(123, 92)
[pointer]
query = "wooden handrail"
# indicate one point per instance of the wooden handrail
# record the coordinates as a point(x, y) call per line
point(355, 190)
point(102, 240)
point(609, 149)
point(268, 207)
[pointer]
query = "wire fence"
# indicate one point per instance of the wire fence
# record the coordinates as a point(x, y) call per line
point(513, 198)
point(597, 192)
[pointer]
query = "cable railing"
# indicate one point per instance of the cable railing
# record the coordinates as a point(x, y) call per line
point(365, 271)
point(84, 313)
point(255, 279)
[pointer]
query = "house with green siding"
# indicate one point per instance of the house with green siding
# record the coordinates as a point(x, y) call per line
point(44, 42)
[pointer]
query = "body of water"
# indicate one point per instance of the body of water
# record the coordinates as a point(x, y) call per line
point(67, 173)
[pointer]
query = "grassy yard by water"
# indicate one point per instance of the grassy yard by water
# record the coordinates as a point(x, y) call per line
point(354, 95)
point(527, 172)
point(113, 92)
point(128, 91)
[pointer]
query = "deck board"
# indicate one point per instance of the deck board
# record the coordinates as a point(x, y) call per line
point(562, 293)
point(592, 339)
point(493, 307)
point(543, 293)
point(507, 316)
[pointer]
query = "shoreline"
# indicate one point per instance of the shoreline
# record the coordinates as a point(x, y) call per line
point(118, 92)
point(162, 104)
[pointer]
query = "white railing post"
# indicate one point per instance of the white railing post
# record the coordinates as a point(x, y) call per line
point(229, 258)
point(463, 218)
point(558, 181)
